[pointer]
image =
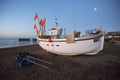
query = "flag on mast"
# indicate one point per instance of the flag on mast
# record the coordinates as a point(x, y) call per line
point(56, 24)
point(41, 23)
point(35, 26)
point(35, 17)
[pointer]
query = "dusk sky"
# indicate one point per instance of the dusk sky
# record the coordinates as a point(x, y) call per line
point(17, 16)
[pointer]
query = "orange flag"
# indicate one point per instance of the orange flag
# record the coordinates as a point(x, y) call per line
point(35, 17)
point(41, 23)
point(35, 26)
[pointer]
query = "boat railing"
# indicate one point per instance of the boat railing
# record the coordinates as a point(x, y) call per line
point(52, 37)
point(91, 35)
point(64, 36)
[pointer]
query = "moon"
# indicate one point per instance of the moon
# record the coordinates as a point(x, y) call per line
point(95, 9)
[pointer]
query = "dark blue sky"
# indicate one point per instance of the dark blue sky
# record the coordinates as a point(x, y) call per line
point(16, 16)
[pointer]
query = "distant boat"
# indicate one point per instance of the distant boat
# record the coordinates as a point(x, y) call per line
point(69, 44)
point(24, 39)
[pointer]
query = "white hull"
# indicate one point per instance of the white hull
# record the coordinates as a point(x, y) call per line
point(82, 45)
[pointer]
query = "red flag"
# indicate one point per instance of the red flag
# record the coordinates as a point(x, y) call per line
point(41, 23)
point(35, 26)
point(36, 16)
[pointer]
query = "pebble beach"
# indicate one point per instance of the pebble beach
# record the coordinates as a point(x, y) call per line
point(103, 66)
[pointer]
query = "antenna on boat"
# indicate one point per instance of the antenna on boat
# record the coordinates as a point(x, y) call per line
point(64, 32)
point(74, 27)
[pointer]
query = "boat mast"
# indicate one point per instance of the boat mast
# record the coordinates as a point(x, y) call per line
point(74, 28)
point(64, 32)
point(56, 22)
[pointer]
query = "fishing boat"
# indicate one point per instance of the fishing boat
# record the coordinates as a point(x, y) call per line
point(70, 44)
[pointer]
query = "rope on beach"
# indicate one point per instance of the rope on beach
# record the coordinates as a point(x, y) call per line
point(27, 58)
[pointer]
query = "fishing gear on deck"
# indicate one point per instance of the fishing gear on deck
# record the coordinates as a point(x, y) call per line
point(26, 58)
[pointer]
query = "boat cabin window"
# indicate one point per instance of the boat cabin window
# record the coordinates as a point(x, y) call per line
point(97, 39)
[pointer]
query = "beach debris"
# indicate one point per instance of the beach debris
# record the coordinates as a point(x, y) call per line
point(26, 58)
point(21, 59)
